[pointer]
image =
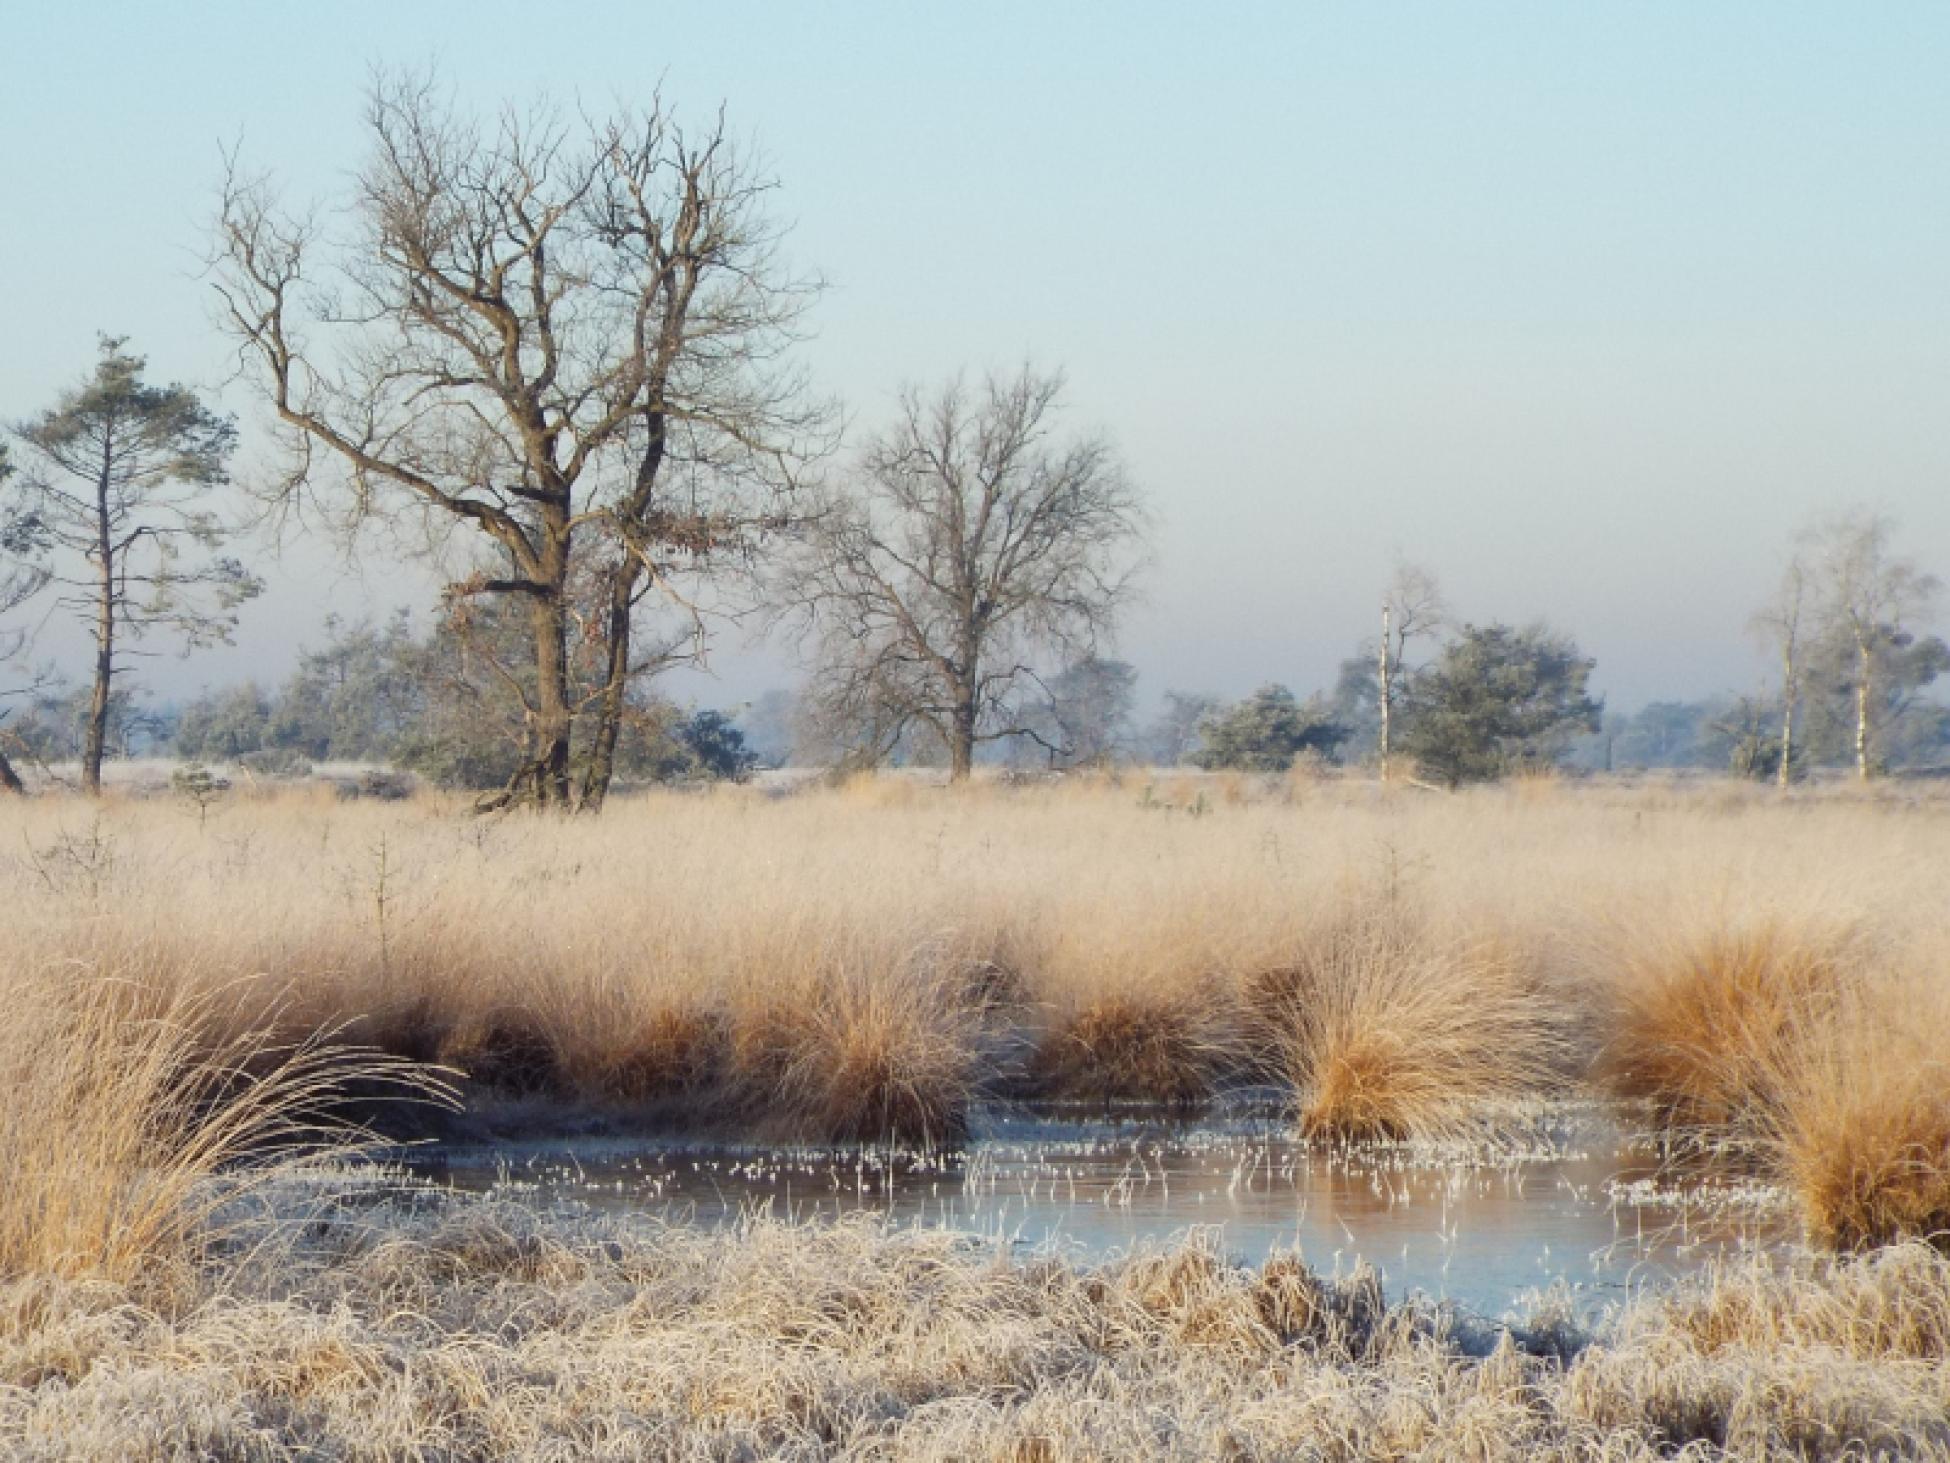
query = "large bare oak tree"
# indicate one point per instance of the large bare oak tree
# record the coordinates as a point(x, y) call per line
point(565, 340)
point(118, 491)
point(974, 547)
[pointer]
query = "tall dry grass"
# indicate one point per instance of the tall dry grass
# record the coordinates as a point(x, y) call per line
point(1386, 1031)
point(1806, 1043)
point(126, 1127)
point(867, 961)
point(1853, 1112)
point(1703, 1010)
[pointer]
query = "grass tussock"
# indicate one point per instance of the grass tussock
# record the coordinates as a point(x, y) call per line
point(1168, 1046)
point(125, 1130)
point(1855, 1115)
point(1386, 1032)
point(1703, 1014)
point(872, 1059)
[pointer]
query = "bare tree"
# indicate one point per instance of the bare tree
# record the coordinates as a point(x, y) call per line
point(567, 341)
point(972, 548)
point(1782, 623)
point(118, 491)
point(1174, 734)
point(1866, 598)
point(1412, 608)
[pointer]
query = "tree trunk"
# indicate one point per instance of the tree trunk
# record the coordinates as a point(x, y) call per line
point(611, 706)
point(1862, 717)
point(9, 779)
point(1387, 690)
point(961, 744)
point(548, 767)
point(97, 737)
point(1789, 690)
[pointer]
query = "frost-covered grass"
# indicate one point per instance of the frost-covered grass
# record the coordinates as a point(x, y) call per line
point(475, 1330)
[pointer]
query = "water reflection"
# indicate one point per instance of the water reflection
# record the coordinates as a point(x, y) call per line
point(1575, 1207)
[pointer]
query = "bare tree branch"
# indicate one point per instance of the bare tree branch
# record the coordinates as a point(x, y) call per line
point(970, 545)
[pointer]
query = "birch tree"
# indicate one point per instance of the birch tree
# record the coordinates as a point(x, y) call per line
point(1868, 600)
point(565, 342)
point(1782, 622)
point(1412, 608)
point(974, 547)
point(119, 488)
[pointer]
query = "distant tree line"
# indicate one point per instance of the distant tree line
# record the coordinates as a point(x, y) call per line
point(382, 695)
point(551, 354)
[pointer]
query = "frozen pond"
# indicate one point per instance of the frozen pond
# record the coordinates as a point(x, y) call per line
point(1574, 1206)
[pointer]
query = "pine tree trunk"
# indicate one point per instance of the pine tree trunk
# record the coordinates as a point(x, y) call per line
point(97, 736)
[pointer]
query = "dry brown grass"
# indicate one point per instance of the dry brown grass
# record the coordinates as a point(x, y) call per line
point(1170, 1046)
point(864, 961)
point(1702, 1010)
point(125, 1129)
point(869, 1058)
point(861, 963)
point(1805, 1043)
point(1385, 1031)
point(1855, 1115)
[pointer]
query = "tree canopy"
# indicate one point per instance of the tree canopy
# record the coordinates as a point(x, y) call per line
point(1266, 732)
point(1498, 700)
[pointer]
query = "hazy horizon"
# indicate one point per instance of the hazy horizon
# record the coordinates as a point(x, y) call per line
point(1586, 311)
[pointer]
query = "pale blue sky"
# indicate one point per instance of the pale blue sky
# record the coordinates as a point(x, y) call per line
point(1585, 306)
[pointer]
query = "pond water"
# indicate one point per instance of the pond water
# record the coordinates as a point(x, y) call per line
point(1575, 1206)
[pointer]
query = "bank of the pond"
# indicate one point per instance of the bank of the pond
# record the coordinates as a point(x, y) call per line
point(417, 1326)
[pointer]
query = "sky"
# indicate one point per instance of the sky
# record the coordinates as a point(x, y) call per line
point(1584, 307)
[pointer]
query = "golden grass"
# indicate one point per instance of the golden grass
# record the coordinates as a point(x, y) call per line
point(1702, 1010)
point(1855, 1115)
point(1170, 1046)
point(868, 960)
point(861, 1056)
point(1387, 1032)
point(125, 1129)
point(865, 963)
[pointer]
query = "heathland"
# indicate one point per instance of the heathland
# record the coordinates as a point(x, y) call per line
point(200, 994)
